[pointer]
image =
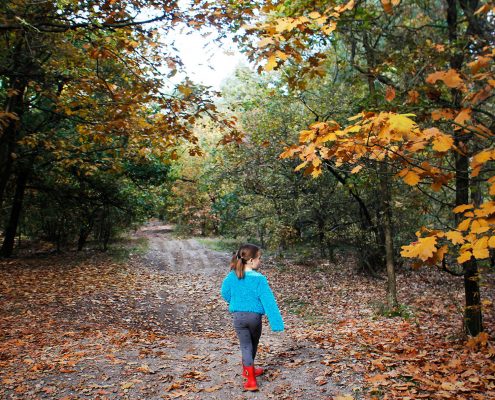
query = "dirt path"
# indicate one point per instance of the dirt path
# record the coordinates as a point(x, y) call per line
point(83, 326)
point(87, 325)
point(205, 341)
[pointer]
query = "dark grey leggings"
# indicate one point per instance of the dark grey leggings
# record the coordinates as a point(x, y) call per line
point(248, 328)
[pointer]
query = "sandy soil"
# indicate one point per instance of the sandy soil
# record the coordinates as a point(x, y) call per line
point(205, 340)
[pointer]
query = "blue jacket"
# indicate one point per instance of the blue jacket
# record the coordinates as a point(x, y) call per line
point(252, 293)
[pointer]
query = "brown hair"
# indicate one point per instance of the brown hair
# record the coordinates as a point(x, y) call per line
point(242, 256)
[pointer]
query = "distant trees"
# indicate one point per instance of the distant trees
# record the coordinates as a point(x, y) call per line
point(432, 59)
point(85, 108)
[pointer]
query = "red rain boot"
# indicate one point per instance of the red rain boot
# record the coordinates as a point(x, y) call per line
point(250, 384)
point(257, 372)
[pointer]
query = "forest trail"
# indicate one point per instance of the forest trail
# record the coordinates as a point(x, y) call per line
point(204, 340)
point(154, 326)
point(84, 325)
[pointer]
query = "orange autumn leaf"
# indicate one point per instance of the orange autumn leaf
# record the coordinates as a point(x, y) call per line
point(455, 237)
point(462, 208)
point(451, 78)
point(423, 248)
point(410, 177)
point(389, 93)
point(464, 225)
point(356, 169)
point(446, 113)
point(464, 256)
point(443, 143)
point(463, 116)
point(387, 6)
point(413, 97)
point(480, 248)
point(306, 136)
point(290, 151)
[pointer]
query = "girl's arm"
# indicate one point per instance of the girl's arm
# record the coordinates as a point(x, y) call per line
point(226, 288)
point(270, 305)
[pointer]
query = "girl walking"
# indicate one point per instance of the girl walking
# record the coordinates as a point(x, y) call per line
point(249, 296)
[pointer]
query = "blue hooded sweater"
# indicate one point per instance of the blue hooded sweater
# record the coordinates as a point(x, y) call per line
point(252, 294)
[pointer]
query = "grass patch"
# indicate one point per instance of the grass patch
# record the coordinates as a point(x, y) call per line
point(121, 250)
point(221, 244)
point(402, 311)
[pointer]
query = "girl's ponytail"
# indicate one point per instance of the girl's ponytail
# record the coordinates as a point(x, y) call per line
point(239, 259)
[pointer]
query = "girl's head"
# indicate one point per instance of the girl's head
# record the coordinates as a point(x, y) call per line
point(247, 255)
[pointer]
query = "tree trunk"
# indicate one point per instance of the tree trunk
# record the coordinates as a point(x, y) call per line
point(11, 229)
point(387, 228)
point(473, 320)
point(472, 313)
point(385, 195)
point(8, 137)
point(83, 237)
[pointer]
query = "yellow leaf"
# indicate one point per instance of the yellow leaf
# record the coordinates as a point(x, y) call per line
point(314, 15)
point(480, 249)
point(424, 248)
point(271, 63)
point(465, 256)
point(265, 42)
point(440, 254)
point(400, 123)
point(442, 143)
point(357, 116)
point(462, 208)
point(290, 151)
point(479, 226)
point(349, 6)
point(328, 29)
point(482, 157)
point(316, 172)
point(281, 55)
point(319, 125)
point(356, 169)
point(301, 166)
point(329, 136)
point(464, 225)
point(491, 242)
point(411, 178)
point(306, 136)
point(455, 237)
point(286, 24)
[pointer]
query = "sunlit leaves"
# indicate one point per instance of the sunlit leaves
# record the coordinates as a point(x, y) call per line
point(423, 248)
